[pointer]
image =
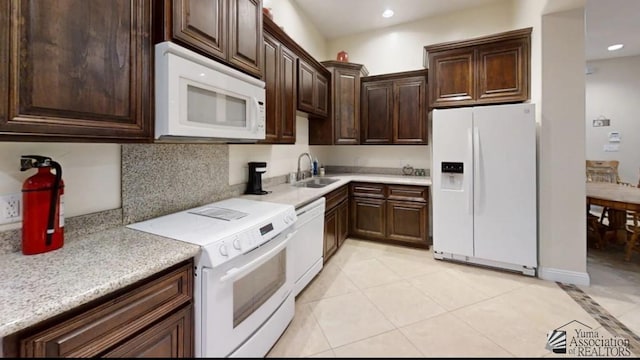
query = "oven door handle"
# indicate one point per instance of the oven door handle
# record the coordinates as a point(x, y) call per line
point(235, 273)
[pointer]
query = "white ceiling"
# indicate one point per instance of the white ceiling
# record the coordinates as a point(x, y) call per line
point(336, 18)
point(611, 22)
point(607, 21)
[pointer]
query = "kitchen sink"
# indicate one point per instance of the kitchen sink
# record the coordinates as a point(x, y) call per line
point(315, 182)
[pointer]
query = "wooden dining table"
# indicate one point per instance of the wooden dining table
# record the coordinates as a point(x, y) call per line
point(623, 200)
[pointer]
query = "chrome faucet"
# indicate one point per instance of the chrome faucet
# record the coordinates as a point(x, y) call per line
point(301, 174)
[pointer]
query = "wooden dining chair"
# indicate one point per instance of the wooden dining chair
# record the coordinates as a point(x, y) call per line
point(633, 228)
point(598, 217)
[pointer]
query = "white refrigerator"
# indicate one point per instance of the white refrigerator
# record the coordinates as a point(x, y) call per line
point(484, 186)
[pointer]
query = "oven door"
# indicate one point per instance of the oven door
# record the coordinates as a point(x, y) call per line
point(240, 295)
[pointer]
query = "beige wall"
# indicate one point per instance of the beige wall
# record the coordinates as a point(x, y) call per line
point(295, 23)
point(613, 90)
point(91, 173)
point(281, 159)
point(400, 47)
point(562, 237)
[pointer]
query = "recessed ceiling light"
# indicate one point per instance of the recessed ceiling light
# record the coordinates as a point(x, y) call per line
point(387, 13)
point(615, 47)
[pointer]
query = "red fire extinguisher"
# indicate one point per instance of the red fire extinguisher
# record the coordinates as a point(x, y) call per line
point(43, 206)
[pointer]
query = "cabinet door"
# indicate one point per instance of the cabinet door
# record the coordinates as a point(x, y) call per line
point(377, 112)
point(306, 76)
point(330, 234)
point(407, 222)
point(171, 338)
point(503, 71)
point(321, 95)
point(343, 222)
point(245, 35)
point(346, 106)
point(201, 24)
point(368, 217)
point(288, 96)
point(271, 78)
point(410, 111)
point(451, 78)
point(77, 70)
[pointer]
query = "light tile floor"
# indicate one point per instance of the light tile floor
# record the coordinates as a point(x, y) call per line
point(377, 300)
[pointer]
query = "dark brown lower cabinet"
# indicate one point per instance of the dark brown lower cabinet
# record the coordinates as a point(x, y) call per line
point(406, 221)
point(343, 221)
point(336, 220)
point(151, 318)
point(330, 233)
point(391, 213)
point(368, 217)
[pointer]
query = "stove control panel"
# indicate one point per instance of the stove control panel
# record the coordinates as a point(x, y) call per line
point(242, 242)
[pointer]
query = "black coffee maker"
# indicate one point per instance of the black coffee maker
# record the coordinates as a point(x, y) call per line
point(254, 186)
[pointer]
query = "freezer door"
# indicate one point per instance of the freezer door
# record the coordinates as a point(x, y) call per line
point(505, 184)
point(452, 190)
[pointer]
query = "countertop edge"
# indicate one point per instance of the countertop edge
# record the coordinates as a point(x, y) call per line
point(47, 309)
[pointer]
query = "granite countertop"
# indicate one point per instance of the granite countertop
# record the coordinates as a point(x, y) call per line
point(37, 287)
point(299, 196)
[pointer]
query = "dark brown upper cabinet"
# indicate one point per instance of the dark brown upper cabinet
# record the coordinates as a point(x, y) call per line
point(487, 70)
point(313, 88)
point(76, 70)
point(394, 108)
point(227, 30)
point(280, 81)
point(342, 125)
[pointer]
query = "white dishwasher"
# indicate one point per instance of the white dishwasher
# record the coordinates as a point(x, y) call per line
point(307, 244)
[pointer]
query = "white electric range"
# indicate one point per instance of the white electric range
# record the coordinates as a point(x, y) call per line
point(243, 286)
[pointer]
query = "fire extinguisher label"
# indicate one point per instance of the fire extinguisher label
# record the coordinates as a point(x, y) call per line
point(61, 212)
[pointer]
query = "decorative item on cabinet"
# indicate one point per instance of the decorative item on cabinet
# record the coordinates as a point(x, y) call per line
point(342, 126)
point(394, 108)
point(268, 12)
point(486, 70)
point(343, 56)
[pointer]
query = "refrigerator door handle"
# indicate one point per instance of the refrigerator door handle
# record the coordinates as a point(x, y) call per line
point(476, 164)
point(468, 177)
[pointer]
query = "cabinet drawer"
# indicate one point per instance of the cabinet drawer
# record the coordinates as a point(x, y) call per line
point(367, 190)
point(408, 193)
point(92, 332)
point(336, 197)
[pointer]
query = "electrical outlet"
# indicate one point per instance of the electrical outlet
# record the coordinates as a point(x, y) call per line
point(10, 208)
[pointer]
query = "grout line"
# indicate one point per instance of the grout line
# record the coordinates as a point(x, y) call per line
point(602, 316)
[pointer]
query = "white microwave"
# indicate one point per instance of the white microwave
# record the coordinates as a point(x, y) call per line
point(201, 99)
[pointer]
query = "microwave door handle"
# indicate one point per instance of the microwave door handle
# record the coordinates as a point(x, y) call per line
point(256, 109)
point(235, 273)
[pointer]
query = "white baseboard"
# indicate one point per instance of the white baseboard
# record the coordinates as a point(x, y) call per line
point(564, 276)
